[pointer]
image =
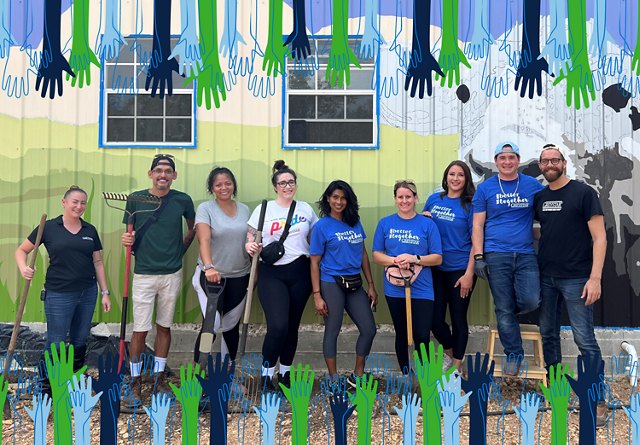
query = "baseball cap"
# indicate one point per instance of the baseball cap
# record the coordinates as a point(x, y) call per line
point(164, 159)
point(507, 147)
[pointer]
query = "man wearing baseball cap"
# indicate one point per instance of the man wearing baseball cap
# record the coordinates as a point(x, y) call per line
point(502, 239)
point(158, 244)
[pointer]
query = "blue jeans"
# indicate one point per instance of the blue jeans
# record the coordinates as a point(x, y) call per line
point(515, 285)
point(555, 292)
point(69, 315)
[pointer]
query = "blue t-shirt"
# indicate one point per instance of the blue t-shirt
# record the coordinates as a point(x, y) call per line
point(455, 225)
point(509, 207)
point(416, 236)
point(340, 246)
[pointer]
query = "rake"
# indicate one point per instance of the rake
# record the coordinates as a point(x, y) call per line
point(155, 203)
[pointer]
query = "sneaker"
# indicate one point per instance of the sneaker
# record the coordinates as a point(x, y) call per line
point(447, 362)
point(267, 384)
point(602, 416)
point(285, 379)
point(161, 385)
point(352, 379)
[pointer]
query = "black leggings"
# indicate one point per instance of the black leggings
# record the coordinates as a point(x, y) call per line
point(283, 292)
point(422, 314)
point(234, 292)
point(445, 293)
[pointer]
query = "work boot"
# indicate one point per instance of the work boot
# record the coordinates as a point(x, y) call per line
point(161, 385)
point(267, 384)
point(133, 399)
point(285, 379)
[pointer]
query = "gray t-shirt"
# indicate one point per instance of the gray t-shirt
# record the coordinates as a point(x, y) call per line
point(228, 235)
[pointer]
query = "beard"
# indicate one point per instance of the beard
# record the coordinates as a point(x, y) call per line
point(552, 174)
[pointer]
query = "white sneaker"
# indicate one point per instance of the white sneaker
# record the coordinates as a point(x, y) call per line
point(447, 362)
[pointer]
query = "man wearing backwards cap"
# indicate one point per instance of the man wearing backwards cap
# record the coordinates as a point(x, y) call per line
point(573, 244)
point(158, 267)
point(502, 239)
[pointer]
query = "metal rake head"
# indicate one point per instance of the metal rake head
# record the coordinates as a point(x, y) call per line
point(147, 199)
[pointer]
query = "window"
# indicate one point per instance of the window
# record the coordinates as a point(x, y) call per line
point(317, 115)
point(130, 117)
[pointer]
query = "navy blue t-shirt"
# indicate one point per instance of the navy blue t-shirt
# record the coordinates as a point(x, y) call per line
point(509, 206)
point(416, 236)
point(455, 225)
point(340, 246)
point(71, 265)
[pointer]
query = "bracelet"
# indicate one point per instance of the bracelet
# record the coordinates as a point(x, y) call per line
point(105, 292)
point(316, 291)
point(207, 266)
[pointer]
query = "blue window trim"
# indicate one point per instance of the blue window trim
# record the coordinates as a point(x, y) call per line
point(153, 145)
point(375, 146)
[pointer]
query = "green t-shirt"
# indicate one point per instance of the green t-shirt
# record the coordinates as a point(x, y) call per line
point(161, 248)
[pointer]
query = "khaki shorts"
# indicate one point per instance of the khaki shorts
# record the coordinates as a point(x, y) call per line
point(145, 289)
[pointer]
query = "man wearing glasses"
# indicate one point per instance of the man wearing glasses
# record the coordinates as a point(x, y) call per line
point(158, 244)
point(573, 243)
point(502, 238)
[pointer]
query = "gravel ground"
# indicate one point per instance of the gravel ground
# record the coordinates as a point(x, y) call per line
point(245, 429)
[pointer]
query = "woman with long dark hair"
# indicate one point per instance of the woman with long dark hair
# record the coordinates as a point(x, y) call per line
point(338, 254)
point(284, 286)
point(221, 227)
point(453, 280)
point(408, 241)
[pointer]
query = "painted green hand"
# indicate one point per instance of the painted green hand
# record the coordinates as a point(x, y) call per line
point(364, 399)
point(341, 55)
point(429, 373)
point(189, 395)
point(298, 396)
point(4, 388)
point(557, 394)
point(450, 53)
point(635, 61)
point(276, 51)
point(82, 56)
point(210, 82)
point(60, 372)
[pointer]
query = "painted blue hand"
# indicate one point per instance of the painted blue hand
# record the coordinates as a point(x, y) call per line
point(479, 38)
point(369, 46)
point(158, 412)
point(341, 411)
point(110, 43)
point(6, 40)
point(161, 77)
point(452, 403)
point(527, 412)
point(298, 41)
point(217, 386)
point(529, 75)
point(633, 413)
point(408, 412)
point(589, 389)
point(108, 384)
point(82, 403)
point(16, 79)
point(39, 414)
point(187, 50)
point(557, 50)
point(230, 34)
point(497, 75)
point(478, 382)
point(419, 73)
point(268, 413)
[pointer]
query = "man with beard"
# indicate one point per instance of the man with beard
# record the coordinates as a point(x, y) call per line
point(571, 254)
point(502, 240)
point(158, 244)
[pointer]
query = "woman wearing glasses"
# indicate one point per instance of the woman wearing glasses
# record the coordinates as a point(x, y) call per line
point(221, 227)
point(453, 280)
point(285, 285)
point(404, 243)
point(337, 256)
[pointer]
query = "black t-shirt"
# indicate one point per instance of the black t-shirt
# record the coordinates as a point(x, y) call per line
point(566, 247)
point(71, 265)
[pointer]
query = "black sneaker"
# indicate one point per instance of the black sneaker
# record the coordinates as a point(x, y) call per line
point(267, 384)
point(285, 379)
point(352, 379)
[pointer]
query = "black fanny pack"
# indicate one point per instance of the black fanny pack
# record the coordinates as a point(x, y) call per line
point(274, 251)
point(350, 283)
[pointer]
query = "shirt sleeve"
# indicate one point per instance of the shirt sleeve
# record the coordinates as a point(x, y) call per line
point(479, 202)
point(313, 217)
point(318, 240)
point(255, 216)
point(434, 243)
point(97, 244)
point(189, 211)
point(34, 234)
point(202, 215)
point(378, 238)
point(591, 204)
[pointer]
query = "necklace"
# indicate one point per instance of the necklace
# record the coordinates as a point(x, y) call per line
point(515, 191)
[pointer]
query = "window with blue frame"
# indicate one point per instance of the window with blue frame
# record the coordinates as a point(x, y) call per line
point(130, 117)
point(318, 115)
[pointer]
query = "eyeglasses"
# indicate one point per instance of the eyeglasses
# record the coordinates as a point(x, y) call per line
point(283, 184)
point(553, 161)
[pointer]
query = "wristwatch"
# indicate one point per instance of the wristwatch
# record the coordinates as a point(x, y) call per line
point(105, 292)
point(478, 257)
point(207, 266)
point(418, 259)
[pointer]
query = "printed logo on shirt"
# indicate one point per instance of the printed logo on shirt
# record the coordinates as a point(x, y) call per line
point(404, 236)
point(350, 236)
point(444, 213)
point(278, 225)
point(552, 206)
point(87, 238)
point(512, 200)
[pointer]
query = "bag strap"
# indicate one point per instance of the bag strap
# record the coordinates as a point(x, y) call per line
point(287, 226)
point(149, 222)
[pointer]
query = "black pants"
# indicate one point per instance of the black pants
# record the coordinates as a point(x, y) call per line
point(422, 315)
point(283, 292)
point(446, 294)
